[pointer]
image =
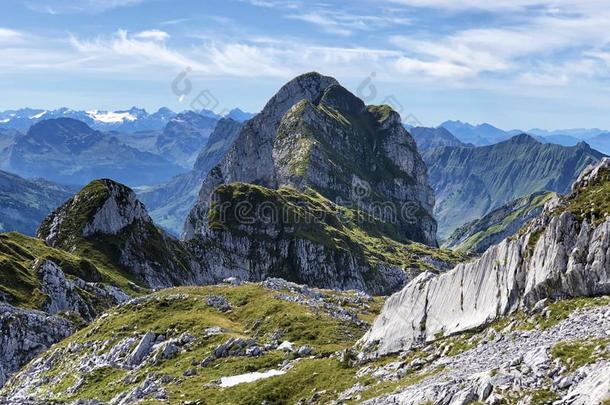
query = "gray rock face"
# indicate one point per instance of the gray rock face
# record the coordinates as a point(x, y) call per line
point(120, 210)
point(254, 256)
point(558, 257)
point(249, 159)
point(64, 295)
point(26, 333)
point(314, 133)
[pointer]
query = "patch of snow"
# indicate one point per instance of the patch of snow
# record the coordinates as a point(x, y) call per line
point(35, 117)
point(248, 377)
point(109, 117)
point(5, 120)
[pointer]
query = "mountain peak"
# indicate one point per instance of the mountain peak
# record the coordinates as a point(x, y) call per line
point(309, 86)
point(102, 206)
point(523, 139)
point(341, 99)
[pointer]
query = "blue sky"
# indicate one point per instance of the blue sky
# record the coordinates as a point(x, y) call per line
point(513, 63)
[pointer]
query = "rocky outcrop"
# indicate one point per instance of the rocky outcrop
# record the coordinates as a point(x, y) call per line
point(314, 133)
point(67, 295)
point(511, 364)
point(255, 233)
point(106, 217)
point(477, 236)
point(558, 256)
point(26, 333)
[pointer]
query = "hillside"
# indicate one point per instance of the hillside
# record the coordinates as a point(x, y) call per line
point(197, 343)
point(471, 182)
point(24, 203)
point(477, 236)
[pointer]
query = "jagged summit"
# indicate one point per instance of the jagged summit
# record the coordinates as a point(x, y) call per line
point(103, 206)
point(315, 133)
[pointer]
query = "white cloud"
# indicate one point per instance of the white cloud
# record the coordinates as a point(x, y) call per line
point(81, 6)
point(155, 35)
point(10, 36)
point(124, 49)
point(344, 23)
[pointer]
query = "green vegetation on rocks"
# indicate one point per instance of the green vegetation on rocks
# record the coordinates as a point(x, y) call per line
point(309, 215)
point(19, 283)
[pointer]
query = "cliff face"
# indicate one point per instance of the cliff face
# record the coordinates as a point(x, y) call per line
point(255, 233)
point(563, 253)
point(314, 133)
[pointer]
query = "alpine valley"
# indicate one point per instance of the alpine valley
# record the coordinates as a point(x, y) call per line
point(317, 252)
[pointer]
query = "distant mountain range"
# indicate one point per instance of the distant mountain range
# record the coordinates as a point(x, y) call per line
point(132, 120)
point(470, 182)
point(487, 134)
point(25, 203)
point(429, 138)
point(68, 151)
point(478, 135)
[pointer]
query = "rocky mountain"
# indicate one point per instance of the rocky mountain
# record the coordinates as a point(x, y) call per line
point(471, 182)
point(315, 134)
point(132, 120)
point(561, 255)
point(353, 170)
point(429, 138)
point(68, 151)
point(184, 136)
point(169, 203)
point(477, 236)
point(105, 217)
point(478, 135)
point(24, 203)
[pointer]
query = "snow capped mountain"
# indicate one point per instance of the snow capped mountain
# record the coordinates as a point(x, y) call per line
point(132, 120)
